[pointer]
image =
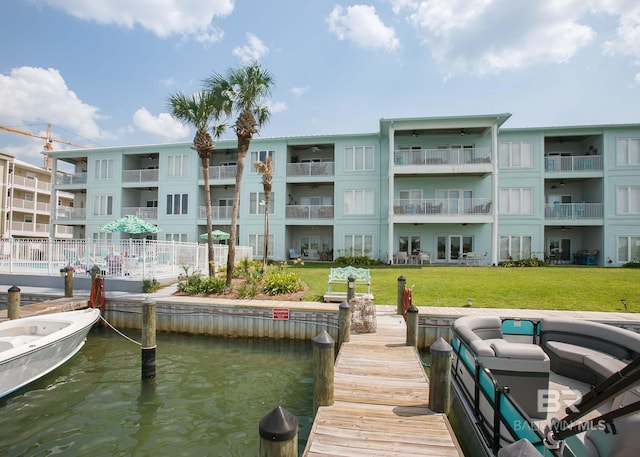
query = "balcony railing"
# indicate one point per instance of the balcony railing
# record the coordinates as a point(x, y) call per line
point(31, 184)
point(312, 169)
point(30, 228)
point(221, 172)
point(559, 164)
point(435, 157)
point(573, 211)
point(76, 178)
point(442, 206)
point(217, 212)
point(140, 175)
point(22, 204)
point(309, 212)
point(65, 212)
point(141, 211)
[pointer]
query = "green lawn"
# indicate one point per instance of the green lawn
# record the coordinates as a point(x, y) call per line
point(563, 288)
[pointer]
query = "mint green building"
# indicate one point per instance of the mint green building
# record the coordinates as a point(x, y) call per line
point(440, 190)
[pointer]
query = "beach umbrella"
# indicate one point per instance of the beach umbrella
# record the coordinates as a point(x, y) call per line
point(130, 224)
point(217, 235)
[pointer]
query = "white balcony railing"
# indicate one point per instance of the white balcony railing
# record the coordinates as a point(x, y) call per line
point(573, 211)
point(22, 204)
point(442, 206)
point(217, 212)
point(30, 228)
point(221, 172)
point(65, 212)
point(311, 169)
point(559, 164)
point(141, 211)
point(435, 157)
point(75, 178)
point(309, 212)
point(150, 175)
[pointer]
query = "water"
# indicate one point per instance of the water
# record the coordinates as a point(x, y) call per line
point(207, 399)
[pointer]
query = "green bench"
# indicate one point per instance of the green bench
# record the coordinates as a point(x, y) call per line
point(340, 275)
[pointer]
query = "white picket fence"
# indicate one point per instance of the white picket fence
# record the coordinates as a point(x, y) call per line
point(125, 259)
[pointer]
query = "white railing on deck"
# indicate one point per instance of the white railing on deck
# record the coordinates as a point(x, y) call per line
point(311, 169)
point(573, 211)
point(556, 164)
point(441, 206)
point(431, 157)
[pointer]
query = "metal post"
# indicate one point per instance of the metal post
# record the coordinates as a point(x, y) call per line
point(412, 326)
point(344, 323)
point(323, 358)
point(148, 338)
point(440, 377)
point(278, 434)
point(351, 287)
point(402, 282)
point(13, 303)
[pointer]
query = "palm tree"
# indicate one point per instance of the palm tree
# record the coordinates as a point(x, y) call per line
point(266, 170)
point(243, 91)
point(200, 111)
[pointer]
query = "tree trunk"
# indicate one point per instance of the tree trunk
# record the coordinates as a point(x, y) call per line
point(267, 204)
point(243, 147)
point(207, 201)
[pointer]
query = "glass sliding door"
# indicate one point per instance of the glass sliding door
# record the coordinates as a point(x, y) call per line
point(451, 247)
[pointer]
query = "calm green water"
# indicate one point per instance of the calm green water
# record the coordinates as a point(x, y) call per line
point(207, 399)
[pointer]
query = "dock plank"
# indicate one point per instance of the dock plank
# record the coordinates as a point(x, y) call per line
point(381, 396)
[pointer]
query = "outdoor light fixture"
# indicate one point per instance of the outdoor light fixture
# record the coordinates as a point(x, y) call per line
point(469, 302)
point(462, 133)
point(624, 303)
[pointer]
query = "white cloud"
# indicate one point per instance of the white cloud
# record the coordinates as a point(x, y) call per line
point(299, 91)
point(38, 95)
point(163, 125)
point(188, 18)
point(253, 51)
point(362, 26)
point(276, 107)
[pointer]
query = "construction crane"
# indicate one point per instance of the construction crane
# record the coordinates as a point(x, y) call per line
point(49, 140)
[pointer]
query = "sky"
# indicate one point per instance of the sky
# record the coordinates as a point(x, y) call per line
point(101, 72)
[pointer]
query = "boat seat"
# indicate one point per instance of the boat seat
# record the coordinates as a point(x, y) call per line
point(5, 346)
point(624, 443)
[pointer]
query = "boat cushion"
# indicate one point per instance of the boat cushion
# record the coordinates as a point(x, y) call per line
point(571, 351)
point(624, 443)
point(604, 365)
point(518, 350)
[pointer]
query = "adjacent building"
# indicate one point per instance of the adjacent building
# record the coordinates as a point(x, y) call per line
point(440, 190)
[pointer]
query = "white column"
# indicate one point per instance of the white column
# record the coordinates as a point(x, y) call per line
point(494, 190)
point(390, 218)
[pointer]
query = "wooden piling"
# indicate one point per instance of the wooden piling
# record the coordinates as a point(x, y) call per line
point(344, 323)
point(148, 338)
point(278, 434)
point(440, 376)
point(351, 287)
point(412, 326)
point(13, 302)
point(323, 362)
point(68, 281)
point(402, 282)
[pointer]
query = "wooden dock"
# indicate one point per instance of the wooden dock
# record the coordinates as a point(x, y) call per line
point(381, 395)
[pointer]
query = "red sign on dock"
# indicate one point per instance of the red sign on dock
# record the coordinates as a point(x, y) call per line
point(281, 313)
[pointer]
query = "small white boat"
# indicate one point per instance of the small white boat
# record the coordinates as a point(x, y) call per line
point(33, 346)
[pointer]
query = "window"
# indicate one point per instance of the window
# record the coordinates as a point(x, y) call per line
point(28, 219)
point(103, 205)
point(30, 175)
point(358, 158)
point(628, 249)
point(257, 243)
point(409, 244)
point(628, 151)
point(628, 199)
point(178, 165)
point(515, 247)
point(177, 204)
point(102, 236)
point(358, 202)
point(177, 237)
point(516, 200)
point(256, 203)
point(104, 169)
point(358, 245)
point(261, 156)
point(517, 154)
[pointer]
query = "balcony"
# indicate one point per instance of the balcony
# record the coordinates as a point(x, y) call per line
point(222, 172)
point(31, 184)
point(133, 176)
point(456, 160)
point(29, 229)
point(436, 207)
point(307, 212)
point(564, 212)
point(141, 211)
point(311, 169)
point(217, 212)
point(68, 213)
point(570, 164)
point(75, 178)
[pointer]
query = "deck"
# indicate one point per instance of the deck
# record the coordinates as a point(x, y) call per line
point(381, 395)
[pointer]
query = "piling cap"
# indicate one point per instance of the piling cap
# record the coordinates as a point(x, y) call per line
point(323, 340)
point(344, 305)
point(148, 301)
point(441, 347)
point(14, 289)
point(413, 309)
point(278, 425)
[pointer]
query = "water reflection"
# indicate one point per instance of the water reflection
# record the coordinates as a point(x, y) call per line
point(206, 400)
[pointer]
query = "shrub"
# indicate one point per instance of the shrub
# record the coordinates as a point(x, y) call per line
point(197, 284)
point(150, 285)
point(530, 262)
point(632, 264)
point(248, 290)
point(281, 282)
